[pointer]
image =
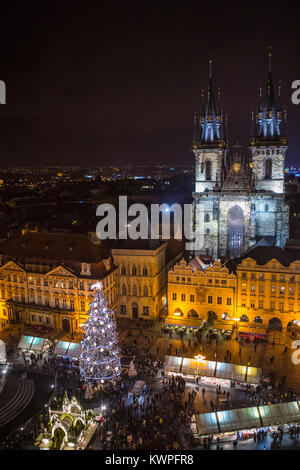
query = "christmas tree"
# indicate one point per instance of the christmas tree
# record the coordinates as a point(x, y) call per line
point(99, 356)
point(132, 372)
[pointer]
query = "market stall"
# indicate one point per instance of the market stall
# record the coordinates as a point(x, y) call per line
point(2, 352)
point(253, 333)
point(173, 364)
point(226, 423)
point(33, 344)
point(211, 372)
point(138, 388)
point(67, 349)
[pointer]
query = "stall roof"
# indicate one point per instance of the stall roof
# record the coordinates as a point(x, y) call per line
point(66, 348)
point(173, 363)
point(74, 350)
point(61, 348)
point(184, 322)
point(25, 342)
point(33, 343)
point(38, 344)
point(221, 370)
point(253, 330)
point(248, 418)
point(138, 387)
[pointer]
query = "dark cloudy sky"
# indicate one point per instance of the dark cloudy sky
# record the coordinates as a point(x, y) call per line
point(116, 82)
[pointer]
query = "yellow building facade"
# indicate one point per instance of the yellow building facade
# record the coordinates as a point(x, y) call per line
point(141, 278)
point(38, 289)
point(196, 294)
point(269, 293)
point(263, 293)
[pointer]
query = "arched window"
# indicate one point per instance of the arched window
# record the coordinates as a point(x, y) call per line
point(235, 228)
point(207, 231)
point(134, 291)
point(268, 169)
point(206, 218)
point(123, 270)
point(145, 271)
point(145, 291)
point(208, 170)
point(133, 271)
point(123, 290)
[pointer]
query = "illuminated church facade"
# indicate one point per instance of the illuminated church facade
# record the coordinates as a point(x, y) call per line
point(239, 200)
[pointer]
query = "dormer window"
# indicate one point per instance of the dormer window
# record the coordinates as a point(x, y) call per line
point(85, 269)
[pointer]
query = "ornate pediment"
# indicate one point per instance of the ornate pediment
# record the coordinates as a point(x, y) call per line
point(60, 271)
point(12, 266)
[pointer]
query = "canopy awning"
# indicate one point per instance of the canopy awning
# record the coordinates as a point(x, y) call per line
point(184, 322)
point(74, 350)
point(247, 418)
point(38, 344)
point(32, 343)
point(25, 342)
point(138, 387)
point(252, 330)
point(173, 363)
point(66, 348)
point(220, 370)
point(61, 348)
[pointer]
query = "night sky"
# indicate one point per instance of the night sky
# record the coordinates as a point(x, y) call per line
point(118, 82)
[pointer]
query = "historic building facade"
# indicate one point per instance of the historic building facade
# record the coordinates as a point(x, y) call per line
point(240, 198)
point(142, 276)
point(46, 279)
point(264, 292)
point(268, 290)
point(197, 293)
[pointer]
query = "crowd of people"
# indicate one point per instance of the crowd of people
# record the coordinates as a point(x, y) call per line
point(158, 418)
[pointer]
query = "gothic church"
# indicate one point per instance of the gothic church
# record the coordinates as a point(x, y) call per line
point(240, 198)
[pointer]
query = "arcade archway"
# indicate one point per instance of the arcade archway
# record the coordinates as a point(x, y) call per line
point(275, 324)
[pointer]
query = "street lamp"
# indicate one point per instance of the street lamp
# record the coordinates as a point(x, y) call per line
point(199, 357)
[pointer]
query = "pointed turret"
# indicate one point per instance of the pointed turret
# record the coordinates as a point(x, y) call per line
point(211, 126)
point(267, 130)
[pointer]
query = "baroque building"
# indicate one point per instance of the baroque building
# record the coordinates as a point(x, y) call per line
point(268, 289)
point(46, 279)
point(197, 292)
point(141, 277)
point(240, 199)
point(260, 292)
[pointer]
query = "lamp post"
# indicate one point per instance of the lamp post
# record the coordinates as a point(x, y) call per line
point(199, 358)
point(236, 320)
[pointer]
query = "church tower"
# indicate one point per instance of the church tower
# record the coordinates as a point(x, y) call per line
point(239, 198)
point(268, 141)
point(209, 141)
point(210, 146)
point(268, 146)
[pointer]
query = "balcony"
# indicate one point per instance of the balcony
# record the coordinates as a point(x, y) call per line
point(39, 307)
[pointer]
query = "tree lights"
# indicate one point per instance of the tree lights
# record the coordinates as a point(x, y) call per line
point(99, 357)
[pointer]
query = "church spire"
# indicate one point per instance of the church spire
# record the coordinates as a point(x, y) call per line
point(211, 130)
point(269, 114)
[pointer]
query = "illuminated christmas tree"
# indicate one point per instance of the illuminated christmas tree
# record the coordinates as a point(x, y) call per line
point(132, 372)
point(99, 357)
